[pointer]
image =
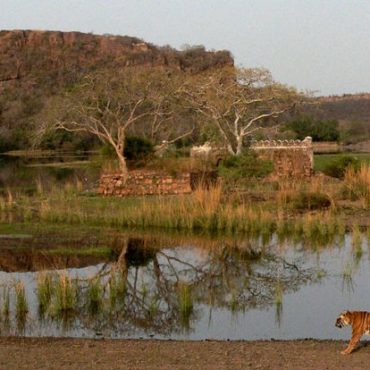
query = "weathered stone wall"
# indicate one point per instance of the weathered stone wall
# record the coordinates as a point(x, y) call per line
point(144, 183)
point(291, 158)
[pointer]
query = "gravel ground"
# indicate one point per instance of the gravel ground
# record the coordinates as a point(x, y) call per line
point(50, 353)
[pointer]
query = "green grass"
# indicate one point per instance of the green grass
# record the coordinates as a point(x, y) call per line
point(104, 252)
point(321, 161)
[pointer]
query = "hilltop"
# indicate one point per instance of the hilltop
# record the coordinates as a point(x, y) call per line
point(61, 54)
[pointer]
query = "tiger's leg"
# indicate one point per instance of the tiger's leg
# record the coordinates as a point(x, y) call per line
point(352, 344)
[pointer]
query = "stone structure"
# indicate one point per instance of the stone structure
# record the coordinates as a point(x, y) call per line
point(141, 182)
point(144, 183)
point(291, 158)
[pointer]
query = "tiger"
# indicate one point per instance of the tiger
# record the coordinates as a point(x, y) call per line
point(360, 322)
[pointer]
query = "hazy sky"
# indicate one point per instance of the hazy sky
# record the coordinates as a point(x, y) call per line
point(321, 45)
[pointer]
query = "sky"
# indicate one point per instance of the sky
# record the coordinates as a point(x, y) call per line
point(321, 46)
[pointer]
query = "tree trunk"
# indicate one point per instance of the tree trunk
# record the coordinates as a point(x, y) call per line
point(119, 148)
point(239, 144)
point(122, 165)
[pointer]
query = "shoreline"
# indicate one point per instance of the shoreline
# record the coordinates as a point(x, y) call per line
point(68, 353)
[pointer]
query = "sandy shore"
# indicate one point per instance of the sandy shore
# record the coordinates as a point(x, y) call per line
point(19, 353)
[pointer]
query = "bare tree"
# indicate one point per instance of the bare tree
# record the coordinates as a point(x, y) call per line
point(108, 104)
point(237, 102)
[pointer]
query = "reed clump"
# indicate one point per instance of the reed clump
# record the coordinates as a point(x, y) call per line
point(65, 296)
point(278, 297)
point(6, 304)
point(357, 183)
point(117, 288)
point(185, 301)
point(45, 291)
point(21, 304)
point(94, 295)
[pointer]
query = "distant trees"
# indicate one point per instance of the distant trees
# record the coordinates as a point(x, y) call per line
point(238, 102)
point(319, 130)
point(354, 132)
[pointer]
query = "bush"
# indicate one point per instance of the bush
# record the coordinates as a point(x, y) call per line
point(338, 167)
point(136, 148)
point(318, 130)
point(244, 166)
point(310, 201)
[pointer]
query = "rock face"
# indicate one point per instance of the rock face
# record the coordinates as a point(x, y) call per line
point(24, 53)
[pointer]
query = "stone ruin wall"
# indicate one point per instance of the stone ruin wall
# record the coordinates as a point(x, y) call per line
point(291, 158)
point(144, 183)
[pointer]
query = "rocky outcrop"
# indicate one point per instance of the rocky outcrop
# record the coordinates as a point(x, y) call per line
point(24, 53)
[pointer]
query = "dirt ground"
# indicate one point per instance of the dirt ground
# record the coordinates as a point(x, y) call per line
point(18, 353)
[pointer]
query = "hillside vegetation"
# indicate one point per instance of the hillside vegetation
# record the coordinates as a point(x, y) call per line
point(36, 65)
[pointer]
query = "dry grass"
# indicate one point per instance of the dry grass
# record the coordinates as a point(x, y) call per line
point(357, 183)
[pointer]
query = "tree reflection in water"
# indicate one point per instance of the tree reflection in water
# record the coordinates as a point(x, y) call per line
point(164, 291)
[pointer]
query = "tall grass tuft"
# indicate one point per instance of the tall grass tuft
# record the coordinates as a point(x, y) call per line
point(185, 301)
point(65, 297)
point(94, 296)
point(117, 288)
point(357, 182)
point(278, 303)
point(21, 305)
point(6, 304)
point(45, 291)
point(234, 301)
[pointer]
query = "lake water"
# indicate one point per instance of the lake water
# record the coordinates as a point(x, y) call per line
point(27, 173)
point(237, 289)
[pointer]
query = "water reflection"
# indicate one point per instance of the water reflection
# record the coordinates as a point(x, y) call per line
point(40, 172)
point(166, 287)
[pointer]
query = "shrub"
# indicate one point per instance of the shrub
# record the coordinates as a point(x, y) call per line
point(338, 167)
point(310, 201)
point(136, 148)
point(318, 130)
point(244, 166)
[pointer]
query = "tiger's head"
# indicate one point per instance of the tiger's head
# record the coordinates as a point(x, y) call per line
point(343, 319)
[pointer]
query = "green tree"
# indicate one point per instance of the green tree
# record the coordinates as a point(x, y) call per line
point(318, 130)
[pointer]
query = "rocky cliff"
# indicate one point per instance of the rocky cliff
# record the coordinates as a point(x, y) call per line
point(25, 53)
